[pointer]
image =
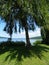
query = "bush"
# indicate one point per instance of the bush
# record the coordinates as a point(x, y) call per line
point(45, 34)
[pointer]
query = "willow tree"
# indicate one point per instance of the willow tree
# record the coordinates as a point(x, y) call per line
point(41, 17)
point(15, 10)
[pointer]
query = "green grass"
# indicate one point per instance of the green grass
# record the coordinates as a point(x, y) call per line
point(15, 54)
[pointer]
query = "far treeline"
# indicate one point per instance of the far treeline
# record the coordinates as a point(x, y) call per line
point(25, 12)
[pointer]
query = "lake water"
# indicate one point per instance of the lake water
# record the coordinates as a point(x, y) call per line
point(19, 39)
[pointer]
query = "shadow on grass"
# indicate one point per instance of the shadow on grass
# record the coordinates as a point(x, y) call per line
point(18, 51)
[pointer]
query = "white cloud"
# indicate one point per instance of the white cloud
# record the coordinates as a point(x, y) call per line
point(22, 34)
point(19, 35)
point(35, 33)
point(4, 34)
point(31, 34)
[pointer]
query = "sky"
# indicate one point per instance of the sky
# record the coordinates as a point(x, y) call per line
point(18, 35)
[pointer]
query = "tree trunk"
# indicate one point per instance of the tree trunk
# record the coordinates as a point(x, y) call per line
point(27, 37)
point(10, 39)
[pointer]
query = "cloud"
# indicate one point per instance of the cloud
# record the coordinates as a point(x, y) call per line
point(35, 33)
point(31, 34)
point(22, 34)
point(19, 35)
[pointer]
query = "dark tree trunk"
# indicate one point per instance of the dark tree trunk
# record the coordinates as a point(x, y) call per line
point(27, 37)
point(10, 39)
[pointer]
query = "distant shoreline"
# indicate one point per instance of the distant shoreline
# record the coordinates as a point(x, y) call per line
point(38, 37)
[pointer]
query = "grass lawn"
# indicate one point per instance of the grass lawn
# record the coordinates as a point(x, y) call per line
point(20, 55)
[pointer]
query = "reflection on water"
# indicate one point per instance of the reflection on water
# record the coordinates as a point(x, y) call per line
point(19, 39)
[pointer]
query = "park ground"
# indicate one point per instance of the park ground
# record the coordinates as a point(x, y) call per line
point(17, 54)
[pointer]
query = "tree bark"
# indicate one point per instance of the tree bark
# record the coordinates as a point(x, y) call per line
point(10, 39)
point(27, 37)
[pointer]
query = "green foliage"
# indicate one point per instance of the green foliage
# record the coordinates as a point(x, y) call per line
point(45, 33)
point(12, 10)
point(37, 8)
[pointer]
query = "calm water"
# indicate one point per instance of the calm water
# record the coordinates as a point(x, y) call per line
point(19, 39)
